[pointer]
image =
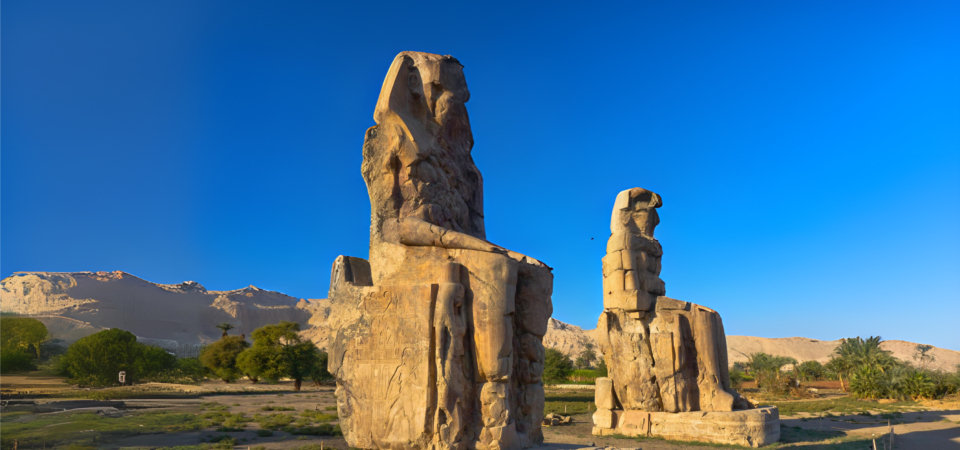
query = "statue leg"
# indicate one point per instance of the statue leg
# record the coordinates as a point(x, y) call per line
point(713, 396)
point(493, 282)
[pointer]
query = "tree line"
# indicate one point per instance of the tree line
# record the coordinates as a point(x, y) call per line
point(861, 365)
point(277, 352)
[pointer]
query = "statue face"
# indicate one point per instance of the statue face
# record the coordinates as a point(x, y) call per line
point(644, 220)
point(636, 210)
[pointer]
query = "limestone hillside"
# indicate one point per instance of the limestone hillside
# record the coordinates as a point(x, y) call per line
point(77, 304)
point(570, 339)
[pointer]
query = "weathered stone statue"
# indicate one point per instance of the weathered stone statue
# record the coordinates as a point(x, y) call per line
point(439, 344)
point(663, 355)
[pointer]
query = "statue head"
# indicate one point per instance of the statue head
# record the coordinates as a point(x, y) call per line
point(636, 210)
point(416, 160)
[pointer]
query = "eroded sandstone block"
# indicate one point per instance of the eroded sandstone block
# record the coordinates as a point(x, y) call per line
point(663, 355)
point(440, 334)
point(750, 428)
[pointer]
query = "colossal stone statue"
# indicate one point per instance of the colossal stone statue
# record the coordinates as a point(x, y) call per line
point(440, 333)
point(663, 355)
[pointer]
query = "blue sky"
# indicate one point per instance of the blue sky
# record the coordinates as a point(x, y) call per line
point(808, 154)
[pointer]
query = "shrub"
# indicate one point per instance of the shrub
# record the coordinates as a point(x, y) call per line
point(264, 433)
point(221, 357)
point(602, 368)
point(583, 375)
point(318, 416)
point(96, 360)
point(273, 421)
point(276, 408)
point(556, 365)
point(15, 360)
point(737, 377)
point(22, 333)
point(810, 370)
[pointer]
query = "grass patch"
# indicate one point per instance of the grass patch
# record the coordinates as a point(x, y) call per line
point(568, 402)
point(220, 418)
point(274, 421)
point(277, 408)
point(88, 428)
point(318, 416)
point(324, 429)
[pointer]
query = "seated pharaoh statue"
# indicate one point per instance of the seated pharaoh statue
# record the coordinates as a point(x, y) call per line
point(439, 341)
point(663, 355)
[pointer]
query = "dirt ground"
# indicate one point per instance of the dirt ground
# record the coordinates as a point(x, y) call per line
point(926, 425)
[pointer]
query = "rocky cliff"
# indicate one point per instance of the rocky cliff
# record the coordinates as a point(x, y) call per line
point(77, 304)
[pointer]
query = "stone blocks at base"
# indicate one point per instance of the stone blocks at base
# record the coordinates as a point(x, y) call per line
point(751, 427)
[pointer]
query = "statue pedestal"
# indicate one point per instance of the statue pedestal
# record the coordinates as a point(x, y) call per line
point(750, 427)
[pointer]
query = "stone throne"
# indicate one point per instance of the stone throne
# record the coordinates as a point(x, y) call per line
point(439, 341)
point(667, 358)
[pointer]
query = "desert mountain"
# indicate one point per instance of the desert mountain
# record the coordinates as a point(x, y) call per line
point(77, 304)
point(570, 339)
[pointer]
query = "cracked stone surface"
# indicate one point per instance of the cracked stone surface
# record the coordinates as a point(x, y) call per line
point(439, 341)
point(665, 356)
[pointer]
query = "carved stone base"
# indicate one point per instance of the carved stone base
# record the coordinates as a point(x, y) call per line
point(752, 427)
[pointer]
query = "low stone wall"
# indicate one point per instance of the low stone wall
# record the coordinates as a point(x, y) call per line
point(751, 427)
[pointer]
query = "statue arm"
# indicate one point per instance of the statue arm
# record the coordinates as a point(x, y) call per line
point(418, 233)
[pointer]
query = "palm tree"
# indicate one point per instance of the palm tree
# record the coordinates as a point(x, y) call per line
point(855, 353)
point(226, 326)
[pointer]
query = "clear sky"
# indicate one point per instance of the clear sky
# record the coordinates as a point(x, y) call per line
point(808, 153)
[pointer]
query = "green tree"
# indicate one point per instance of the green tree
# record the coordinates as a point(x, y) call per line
point(922, 354)
point(279, 351)
point(809, 371)
point(737, 376)
point(225, 327)
point(767, 369)
point(602, 368)
point(587, 356)
point(190, 368)
point(221, 357)
point(22, 333)
point(257, 362)
point(855, 353)
point(300, 361)
point(97, 359)
point(556, 365)
point(320, 372)
point(14, 360)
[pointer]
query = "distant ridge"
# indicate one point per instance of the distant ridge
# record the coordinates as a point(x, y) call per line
point(76, 304)
point(570, 339)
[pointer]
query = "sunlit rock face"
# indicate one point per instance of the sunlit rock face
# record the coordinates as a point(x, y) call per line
point(439, 334)
point(663, 355)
